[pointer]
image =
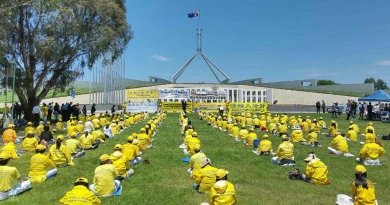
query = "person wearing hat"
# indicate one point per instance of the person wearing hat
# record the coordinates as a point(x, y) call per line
point(59, 154)
point(104, 178)
point(284, 153)
point(332, 132)
point(370, 136)
point(363, 190)
point(192, 142)
point(121, 163)
point(196, 160)
point(370, 153)
point(80, 126)
point(41, 166)
point(205, 177)
point(29, 128)
point(131, 150)
point(235, 130)
point(322, 123)
point(143, 139)
point(9, 135)
point(107, 131)
point(88, 126)
point(272, 127)
point(297, 136)
point(339, 146)
point(313, 139)
point(243, 133)
point(98, 135)
point(80, 194)
point(30, 142)
point(265, 146)
point(10, 150)
point(354, 126)
point(223, 191)
point(251, 137)
point(316, 171)
point(11, 183)
point(74, 146)
point(282, 128)
point(370, 126)
point(351, 134)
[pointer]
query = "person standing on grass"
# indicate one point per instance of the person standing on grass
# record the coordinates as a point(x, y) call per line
point(93, 109)
point(323, 106)
point(80, 194)
point(11, 183)
point(41, 166)
point(104, 180)
point(223, 191)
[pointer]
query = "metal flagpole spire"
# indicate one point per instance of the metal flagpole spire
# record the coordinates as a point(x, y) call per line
point(213, 68)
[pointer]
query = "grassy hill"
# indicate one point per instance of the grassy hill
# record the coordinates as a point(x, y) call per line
point(257, 180)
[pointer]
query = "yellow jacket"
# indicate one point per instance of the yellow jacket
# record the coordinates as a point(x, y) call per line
point(243, 133)
point(39, 165)
point(59, 126)
point(28, 129)
point(59, 156)
point(340, 144)
point(121, 165)
point(371, 151)
point(131, 151)
point(86, 141)
point(312, 137)
point(282, 128)
point(351, 134)
point(250, 138)
point(222, 193)
point(29, 143)
point(143, 140)
point(362, 196)
point(104, 179)
point(297, 136)
point(192, 142)
point(206, 178)
point(10, 150)
point(265, 145)
point(9, 135)
point(73, 145)
point(317, 171)
point(285, 150)
point(79, 195)
point(196, 162)
point(9, 178)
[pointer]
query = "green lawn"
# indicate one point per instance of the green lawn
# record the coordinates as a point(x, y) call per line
point(257, 180)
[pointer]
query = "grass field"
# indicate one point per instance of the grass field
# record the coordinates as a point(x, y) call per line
point(256, 179)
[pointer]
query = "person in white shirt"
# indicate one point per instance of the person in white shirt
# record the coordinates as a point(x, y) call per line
point(36, 111)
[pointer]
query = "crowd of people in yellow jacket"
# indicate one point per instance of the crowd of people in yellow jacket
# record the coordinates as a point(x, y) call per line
point(50, 153)
point(293, 129)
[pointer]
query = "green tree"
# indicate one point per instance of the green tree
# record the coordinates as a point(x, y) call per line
point(379, 84)
point(326, 82)
point(49, 42)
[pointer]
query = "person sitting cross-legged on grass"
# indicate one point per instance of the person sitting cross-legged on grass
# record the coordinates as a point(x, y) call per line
point(104, 179)
point(131, 150)
point(59, 154)
point(316, 170)
point(223, 191)
point(80, 194)
point(265, 146)
point(11, 183)
point(30, 142)
point(284, 153)
point(196, 160)
point(205, 177)
point(41, 166)
point(339, 146)
point(121, 163)
point(74, 146)
point(87, 141)
point(363, 190)
point(370, 153)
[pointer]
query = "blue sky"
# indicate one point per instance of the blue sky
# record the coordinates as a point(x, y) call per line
point(345, 41)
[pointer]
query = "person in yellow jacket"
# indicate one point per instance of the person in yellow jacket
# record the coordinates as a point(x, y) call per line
point(282, 128)
point(41, 167)
point(196, 160)
point(40, 128)
point(80, 194)
point(351, 134)
point(370, 136)
point(72, 128)
point(122, 165)
point(313, 138)
point(355, 127)
point(297, 136)
point(87, 141)
point(316, 171)
point(104, 178)
point(265, 146)
point(363, 190)
point(59, 125)
point(370, 126)
point(370, 153)
point(339, 146)
point(131, 150)
point(98, 135)
point(80, 127)
point(322, 123)
point(10, 150)
point(192, 142)
point(205, 177)
point(29, 128)
point(143, 139)
point(30, 142)
point(9, 135)
point(252, 136)
point(242, 134)
point(222, 192)
point(235, 130)
point(74, 146)
point(59, 154)
point(11, 183)
point(285, 153)
point(332, 132)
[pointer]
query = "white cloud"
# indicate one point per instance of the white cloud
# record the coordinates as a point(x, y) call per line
point(160, 58)
point(384, 63)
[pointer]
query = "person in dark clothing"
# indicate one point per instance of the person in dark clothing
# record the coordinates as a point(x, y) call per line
point(323, 106)
point(113, 110)
point(369, 111)
point(361, 111)
point(318, 106)
point(76, 111)
point(354, 106)
point(46, 136)
point(56, 111)
point(93, 109)
point(184, 106)
point(84, 110)
point(49, 111)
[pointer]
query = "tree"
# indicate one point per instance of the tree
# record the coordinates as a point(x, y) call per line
point(50, 42)
point(379, 84)
point(326, 82)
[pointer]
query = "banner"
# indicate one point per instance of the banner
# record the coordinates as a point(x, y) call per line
point(248, 107)
point(174, 107)
point(211, 106)
point(141, 94)
point(178, 94)
point(208, 94)
point(135, 107)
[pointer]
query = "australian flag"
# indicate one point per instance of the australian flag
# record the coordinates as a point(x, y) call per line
point(193, 14)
